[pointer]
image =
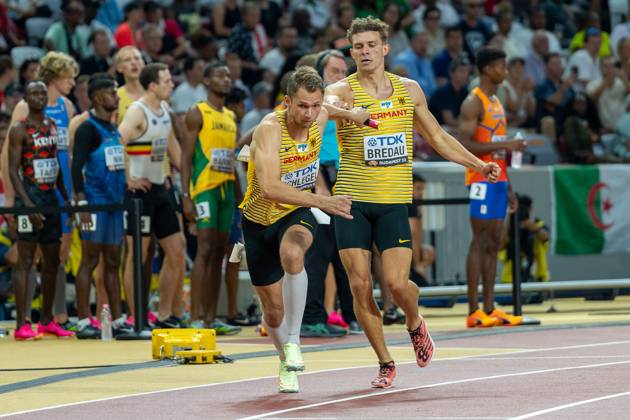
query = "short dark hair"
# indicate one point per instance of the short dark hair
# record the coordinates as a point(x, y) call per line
point(151, 74)
point(368, 24)
point(100, 81)
point(452, 29)
point(235, 96)
point(189, 63)
point(551, 55)
point(6, 64)
point(306, 78)
point(151, 6)
point(429, 10)
point(458, 62)
point(210, 68)
point(130, 7)
point(488, 55)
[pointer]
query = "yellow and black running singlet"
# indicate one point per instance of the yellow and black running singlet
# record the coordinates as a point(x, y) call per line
point(375, 165)
point(299, 165)
point(213, 159)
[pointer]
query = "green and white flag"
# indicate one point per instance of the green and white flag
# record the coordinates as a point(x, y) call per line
point(592, 209)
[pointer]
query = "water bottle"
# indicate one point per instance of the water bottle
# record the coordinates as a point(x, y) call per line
point(517, 155)
point(106, 323)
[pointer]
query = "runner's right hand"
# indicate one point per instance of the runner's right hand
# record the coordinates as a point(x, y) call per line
point(189, 209)
point(138, 184)
point(85, 220)
point(37, 219)
point(516, 145)
point(338, 205)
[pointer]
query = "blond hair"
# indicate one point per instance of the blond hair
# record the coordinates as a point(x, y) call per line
point(120, 52)
point(368, 24)
point(54, 65)
point(306, 78)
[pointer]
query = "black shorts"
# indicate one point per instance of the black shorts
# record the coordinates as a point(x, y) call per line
point(158, 213)
point(386, 225)
point(50, 233)
point(262, 245)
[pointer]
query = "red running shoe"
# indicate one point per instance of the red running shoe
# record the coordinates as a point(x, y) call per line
point(423, 344)
point(386, 375)
point(336, 319)
point(54, 329)
point(26, 333)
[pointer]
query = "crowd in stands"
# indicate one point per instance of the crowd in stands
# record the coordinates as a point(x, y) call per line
point(568, 61)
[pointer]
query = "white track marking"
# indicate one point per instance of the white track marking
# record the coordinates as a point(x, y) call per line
point(570, 405)
point(435, 385)
point(610, 343)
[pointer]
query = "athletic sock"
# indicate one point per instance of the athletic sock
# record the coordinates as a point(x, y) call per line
point(278, 335)
point(294, 297)
point(83, 323)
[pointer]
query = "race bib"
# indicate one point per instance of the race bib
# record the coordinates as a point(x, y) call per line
point(62, 138)
point(145, 222)
point(24, 224)
point(203, 210)
point(222, 160)
point(385, 149)
point(478, 191)
point(158, 149)
point(303, 178)
point(46, 170)
point(115, 158)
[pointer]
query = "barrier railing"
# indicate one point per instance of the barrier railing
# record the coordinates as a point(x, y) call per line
point(134, 211)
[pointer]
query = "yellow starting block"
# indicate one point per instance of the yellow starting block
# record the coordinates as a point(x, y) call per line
point(185, 345)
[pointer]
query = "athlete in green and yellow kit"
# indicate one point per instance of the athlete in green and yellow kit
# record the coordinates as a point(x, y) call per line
point(375, 170)
point(208, 176)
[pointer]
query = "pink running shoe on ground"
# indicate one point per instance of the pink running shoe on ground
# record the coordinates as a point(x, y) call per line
point(54, 329)
point(336, 319)
point(26, 333)
point(95, 323)
point(423, 344)
point(151, 318)
point(386, 375)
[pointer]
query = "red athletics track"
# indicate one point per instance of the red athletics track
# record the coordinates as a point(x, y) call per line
point(572, 374)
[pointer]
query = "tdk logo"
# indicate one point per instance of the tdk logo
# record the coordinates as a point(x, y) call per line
point(379, 141)
point(386, 104)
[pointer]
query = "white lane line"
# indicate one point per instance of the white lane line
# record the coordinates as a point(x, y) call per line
point(435, 385)
point(140, 394)
point(571, 405)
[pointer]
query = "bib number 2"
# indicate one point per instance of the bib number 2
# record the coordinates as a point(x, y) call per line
point(478, 191)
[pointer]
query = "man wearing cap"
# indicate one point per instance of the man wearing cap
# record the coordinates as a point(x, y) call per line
point(98, 177)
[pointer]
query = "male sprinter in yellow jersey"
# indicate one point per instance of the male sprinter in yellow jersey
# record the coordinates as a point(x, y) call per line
point(278, 224)
point(375, 170)
point(482, 130)
point(208, 161)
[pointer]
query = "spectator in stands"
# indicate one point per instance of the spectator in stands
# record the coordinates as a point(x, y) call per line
point(275, 58)
point(261, 99)
point(7, 75)
point(300, 18)
point(454, 48)
point(203, 45)
point(27, 71)
point(398, 40)
point(559, 21)
point(538, 22)
point(192, 89)
point(517, 93)
point(110, 14)
point(580, 130)
point(446, 101)
point(234, 63)
point(448, 15)
point(69, 35)
point(337, 31)
point(249, 41)
point(79, 95)
point(10, 35)
point(226, 14)
point(434, 31)
point(152, 38)
point(591, 20)
point(555, 93)
point(173, 41)
point(270, 16)
point(623, 55)
point(12, 95)
point(620, 31)
point(514, 46)
point(609, 93)
point(586, 60)
point(417, 63)
point(92, 8)
point(100, 61)
point(535, 60)
point(128, 32)
point(476, 32)
point(318, 11)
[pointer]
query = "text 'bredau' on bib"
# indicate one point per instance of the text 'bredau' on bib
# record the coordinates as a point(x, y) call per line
point(385, 150)
point(303, 178)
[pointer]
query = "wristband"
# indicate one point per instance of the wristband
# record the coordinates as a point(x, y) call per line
point(82, 203)
point(371, 123)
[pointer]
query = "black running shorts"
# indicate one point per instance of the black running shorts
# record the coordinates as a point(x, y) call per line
point(50, 233)
point(158, 212)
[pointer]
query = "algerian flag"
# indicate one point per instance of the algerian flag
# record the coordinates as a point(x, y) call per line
point(592, 209)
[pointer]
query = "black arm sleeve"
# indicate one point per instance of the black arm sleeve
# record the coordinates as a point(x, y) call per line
point(86, 140)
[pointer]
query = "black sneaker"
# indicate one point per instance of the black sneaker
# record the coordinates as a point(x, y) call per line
point(123, 329)
point(240, 320)
point(69, 326)
point(322, 330)
point(88, 332)
point(170, 322)
point(393, 316)
point(355, 328)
